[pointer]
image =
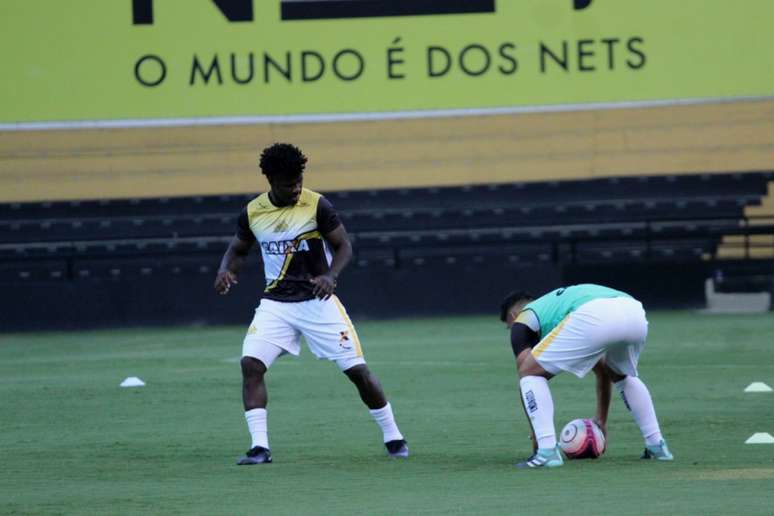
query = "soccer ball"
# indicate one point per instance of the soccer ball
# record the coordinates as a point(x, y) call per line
point(582, 439)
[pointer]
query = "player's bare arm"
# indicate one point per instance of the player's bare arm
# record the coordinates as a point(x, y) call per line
point(230, 265)
point(604, 391)
point(523, 339)
point(338, 240)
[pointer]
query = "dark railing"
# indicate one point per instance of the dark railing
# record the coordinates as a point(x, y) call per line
point(675, 239)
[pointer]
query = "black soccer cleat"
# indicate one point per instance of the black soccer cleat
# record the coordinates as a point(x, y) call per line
point(256, 455)
point(397, 448)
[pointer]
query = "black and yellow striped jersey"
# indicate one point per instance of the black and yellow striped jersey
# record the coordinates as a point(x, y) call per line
point(291, 241)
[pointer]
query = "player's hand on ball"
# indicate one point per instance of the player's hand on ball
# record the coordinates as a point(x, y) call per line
point(223, 282)
point(602, 426)
point(324, 285)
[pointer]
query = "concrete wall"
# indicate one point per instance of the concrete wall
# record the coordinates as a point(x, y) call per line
point(153, 162)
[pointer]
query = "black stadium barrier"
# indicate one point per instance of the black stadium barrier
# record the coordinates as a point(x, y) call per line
point(423, 251)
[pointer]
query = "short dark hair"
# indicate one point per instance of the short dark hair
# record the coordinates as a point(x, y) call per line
point(282, 160)
point(510, 300)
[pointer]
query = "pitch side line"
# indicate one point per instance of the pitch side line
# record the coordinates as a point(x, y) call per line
point(362, 117)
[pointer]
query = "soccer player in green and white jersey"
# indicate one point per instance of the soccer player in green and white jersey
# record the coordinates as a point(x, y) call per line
point(577, 329)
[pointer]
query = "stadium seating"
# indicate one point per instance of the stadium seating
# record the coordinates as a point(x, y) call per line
point(152, 261)
point(601, 220)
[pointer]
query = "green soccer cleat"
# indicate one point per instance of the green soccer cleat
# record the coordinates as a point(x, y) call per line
point(657, 451)
point(543, 458)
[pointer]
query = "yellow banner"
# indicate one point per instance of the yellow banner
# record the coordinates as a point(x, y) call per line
point(161, 59)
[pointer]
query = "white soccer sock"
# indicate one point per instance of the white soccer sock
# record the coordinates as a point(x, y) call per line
point(637, 399)
point(386, 421)
point(256, 424)
point(540, 409)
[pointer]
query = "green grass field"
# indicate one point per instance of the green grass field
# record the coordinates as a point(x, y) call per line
point(73, 442)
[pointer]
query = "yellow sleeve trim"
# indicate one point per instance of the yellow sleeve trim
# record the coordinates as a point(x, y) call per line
point(523, 317)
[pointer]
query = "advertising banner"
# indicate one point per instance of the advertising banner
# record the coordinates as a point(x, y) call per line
point(140, 60)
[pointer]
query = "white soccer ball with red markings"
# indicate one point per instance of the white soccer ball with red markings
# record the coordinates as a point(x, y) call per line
point(582, 439)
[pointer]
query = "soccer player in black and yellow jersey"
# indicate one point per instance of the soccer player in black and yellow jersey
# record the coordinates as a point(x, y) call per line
point(304, 248)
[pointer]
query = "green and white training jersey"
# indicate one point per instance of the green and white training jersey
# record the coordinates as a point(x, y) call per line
point(551, 308)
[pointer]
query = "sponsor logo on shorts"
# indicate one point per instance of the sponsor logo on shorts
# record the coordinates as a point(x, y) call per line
point(531, 403)
point(344, 340)
point(251, 330)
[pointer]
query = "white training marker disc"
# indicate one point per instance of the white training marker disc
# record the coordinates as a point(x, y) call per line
point(760, 438)
point(132, 381)
point(758, 387)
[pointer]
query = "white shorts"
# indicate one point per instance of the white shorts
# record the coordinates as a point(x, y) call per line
point(277, 328)
point(615, 328)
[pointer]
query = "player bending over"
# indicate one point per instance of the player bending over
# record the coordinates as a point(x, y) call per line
point(575, 329)
point(304, 248)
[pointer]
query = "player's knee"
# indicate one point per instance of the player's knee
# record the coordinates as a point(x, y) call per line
point(615, 376)
point(359, 374)
point(531, 368)
point(252, 368)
